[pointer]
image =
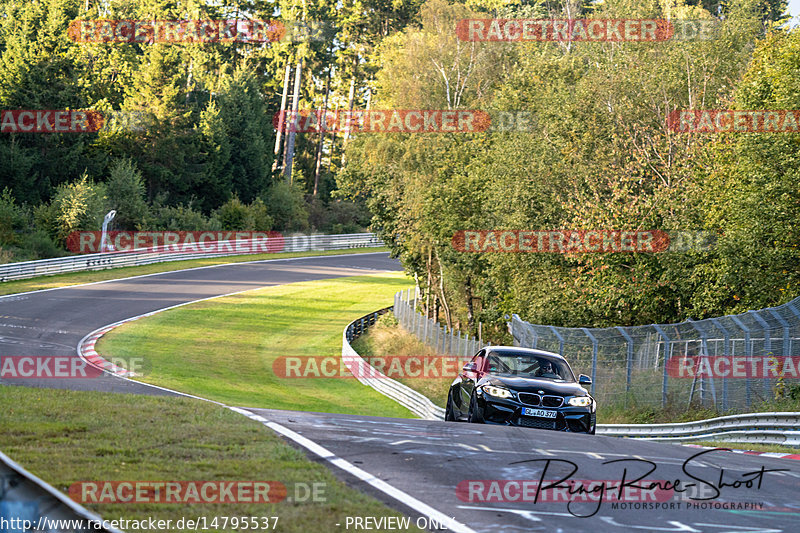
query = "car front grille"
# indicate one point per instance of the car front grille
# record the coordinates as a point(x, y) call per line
point(545, 401)
point(530, 399)
point(538, 423)
point(552, 401)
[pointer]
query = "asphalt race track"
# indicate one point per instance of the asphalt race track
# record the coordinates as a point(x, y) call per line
point(52, 322)
point(430, 460)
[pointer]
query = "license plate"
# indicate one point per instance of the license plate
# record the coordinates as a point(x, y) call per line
point(543, 413)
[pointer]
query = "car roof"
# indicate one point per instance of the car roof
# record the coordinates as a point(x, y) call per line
point(503, 350)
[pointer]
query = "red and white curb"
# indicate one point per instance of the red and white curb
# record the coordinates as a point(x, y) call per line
point(795, 456)
point(87, 352)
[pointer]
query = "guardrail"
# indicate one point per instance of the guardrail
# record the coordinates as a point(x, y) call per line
point(29, 504)
point(762, 428)
point(409, 398)
point(161, 254)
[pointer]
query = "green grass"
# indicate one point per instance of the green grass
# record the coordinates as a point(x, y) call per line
point(64, 280)
point(224, 349)
point(387, 338)
point(777, 448)
point(67, 436)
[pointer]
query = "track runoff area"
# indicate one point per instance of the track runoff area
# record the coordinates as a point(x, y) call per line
point(442, 475)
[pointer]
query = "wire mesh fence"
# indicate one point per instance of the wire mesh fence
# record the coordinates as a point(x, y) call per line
point(444, 340)
point(729, 362)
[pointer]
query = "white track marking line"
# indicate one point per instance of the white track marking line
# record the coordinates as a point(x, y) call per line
point(363, 475)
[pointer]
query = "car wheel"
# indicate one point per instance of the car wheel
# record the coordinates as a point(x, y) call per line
point(475, 415)
point(449, 415)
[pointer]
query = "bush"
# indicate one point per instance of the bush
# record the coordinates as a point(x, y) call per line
point(183, 218)
point(285, 203)
point(80, 205)
point(12, 218)
point(234, 215)
point(40, 246)
point(126, 194)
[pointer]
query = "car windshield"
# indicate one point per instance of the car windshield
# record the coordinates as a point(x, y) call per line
point(527, 365)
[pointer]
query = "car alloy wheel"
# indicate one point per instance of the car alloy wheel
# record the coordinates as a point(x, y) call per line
point(449, 415)
point(475, 416)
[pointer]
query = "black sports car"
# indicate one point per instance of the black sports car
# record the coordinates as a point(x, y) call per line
point(521, 387)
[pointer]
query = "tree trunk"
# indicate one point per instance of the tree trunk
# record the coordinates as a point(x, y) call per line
point(349, 117)
point(282, 115)
point(287, 168)
point(470, 310)
point(446, 307)
point(333, 138)
point(318, 165)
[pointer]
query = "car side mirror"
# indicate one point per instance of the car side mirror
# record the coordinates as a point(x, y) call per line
point(583, 379)
point(470, 367)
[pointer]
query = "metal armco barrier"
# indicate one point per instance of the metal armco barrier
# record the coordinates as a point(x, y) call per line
point(764, 428)
point(24, 496)
point(409, 398)
point(161, 254)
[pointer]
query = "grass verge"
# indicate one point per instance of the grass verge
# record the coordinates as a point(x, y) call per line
point(224, 349)
point(76, 278)
point(776, 448)
point(387, 338)
point(67, 436)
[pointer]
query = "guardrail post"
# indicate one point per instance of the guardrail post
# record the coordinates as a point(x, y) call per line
point(629, 361)
point(796, 313)
point(726, 351)
point(704, 353)
point(767, 348)
point(786, 347)
point(594, 356)
point(748, 349)
point(560, 340)
point(535, 335)
point(667, 354)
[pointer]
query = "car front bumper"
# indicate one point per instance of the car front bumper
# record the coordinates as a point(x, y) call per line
point(509, 412)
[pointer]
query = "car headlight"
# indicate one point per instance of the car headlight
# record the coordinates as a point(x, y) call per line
point(497, 392)
point(580, 401)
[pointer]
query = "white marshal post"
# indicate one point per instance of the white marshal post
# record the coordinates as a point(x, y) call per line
point(108, 218)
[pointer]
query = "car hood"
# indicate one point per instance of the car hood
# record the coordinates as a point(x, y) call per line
point(534, 385)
